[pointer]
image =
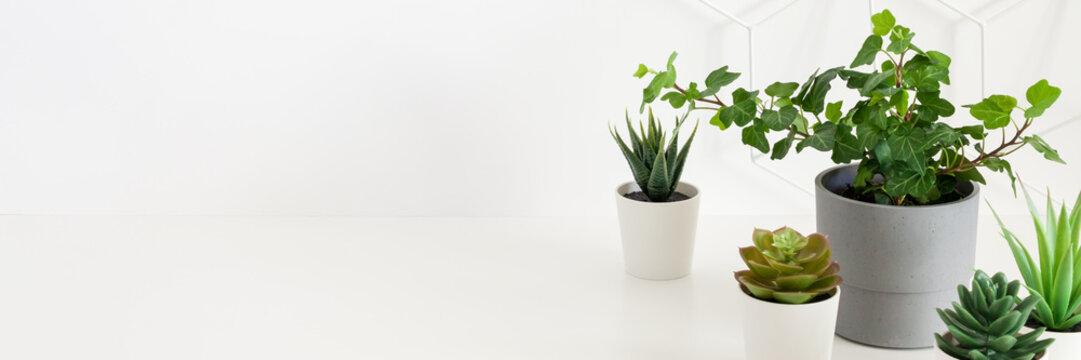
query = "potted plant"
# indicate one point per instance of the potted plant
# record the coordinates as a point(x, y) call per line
point(790, 296)
point(658, 214)
point(1055, 274)
point(986, 324)
point(903, 217)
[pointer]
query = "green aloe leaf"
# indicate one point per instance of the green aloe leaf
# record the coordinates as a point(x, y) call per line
point(638, 168)
point(681, 159)
point(657, 189)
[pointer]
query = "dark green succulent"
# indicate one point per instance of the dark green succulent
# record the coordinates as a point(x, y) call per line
point(787, 267)
point(986, 324)
point(655, 164)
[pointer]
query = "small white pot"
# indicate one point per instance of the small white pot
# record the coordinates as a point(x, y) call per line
point(658, 238)
point(1067, 345)
point(775, 331)
point(941, 355)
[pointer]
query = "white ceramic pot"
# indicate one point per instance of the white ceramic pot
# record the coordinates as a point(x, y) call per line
point(775, 331)
point(940, 355)
point(1067, 345)
point(658, 238)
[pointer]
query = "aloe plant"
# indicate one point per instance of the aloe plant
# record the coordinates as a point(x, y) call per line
point(1056, 276)
point(986, 324)
point(655, 164)
point(787, 267)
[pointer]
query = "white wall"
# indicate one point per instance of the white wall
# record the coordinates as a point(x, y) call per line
point(437, 108)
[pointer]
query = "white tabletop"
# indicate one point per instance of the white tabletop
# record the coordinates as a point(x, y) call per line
point(91, 287)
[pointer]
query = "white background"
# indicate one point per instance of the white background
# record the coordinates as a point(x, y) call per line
point(441, 108)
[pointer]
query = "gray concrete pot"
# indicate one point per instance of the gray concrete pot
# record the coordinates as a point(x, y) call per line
point(899, 262)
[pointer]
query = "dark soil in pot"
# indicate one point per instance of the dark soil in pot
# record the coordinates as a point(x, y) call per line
point(1033, 323)
point(641, 196)
point(850, 192)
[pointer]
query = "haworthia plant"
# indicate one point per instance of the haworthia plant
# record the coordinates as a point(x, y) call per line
point(1056, 274)
point(656, 165)
point(986, 324)
point(787, 267)
point(906, 154)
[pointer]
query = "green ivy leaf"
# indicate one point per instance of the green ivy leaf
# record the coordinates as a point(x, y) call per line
point(781, 90)
point(908, 147)
point(972, 174)
point(814, 101)
point(884, 156)
point(941, 133)
point(932, 101)
point(742, 110)
point(1001, 165)
point(846, 146)
point(994, 111)
point(909, 182)
point(781, 147)
point(883, 22)
point(823, 138)
point(798, 99)
point(974, 131)
point(942, 60)
point(900, 39)
point(718, 79)
point(833, 111)
point(653, 90)
point(875, 81)
point(853, 79)
point(692, 92)
point(671, 69)
point(718, 122)
point(755, 138)
point(864, 174)
point(1040, 145)
point(642, 71)
point(869, 136)
point(899, 102)
point(779, 120)
point(927, 77)
point(866, 55)
point(1041, 95)
point(674, 98)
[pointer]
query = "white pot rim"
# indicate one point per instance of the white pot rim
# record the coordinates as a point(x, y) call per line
point(834, 296)
point(625, 188)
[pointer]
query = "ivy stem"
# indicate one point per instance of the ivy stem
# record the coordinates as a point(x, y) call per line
point(996, 153)
point(714, 102)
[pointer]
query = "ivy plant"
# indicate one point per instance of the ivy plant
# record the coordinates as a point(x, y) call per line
point(907, 153)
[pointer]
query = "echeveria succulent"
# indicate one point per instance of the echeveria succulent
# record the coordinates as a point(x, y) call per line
point(986, 324)
point(787, 267)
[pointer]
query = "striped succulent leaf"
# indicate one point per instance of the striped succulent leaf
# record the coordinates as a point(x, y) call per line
point(655, 164)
